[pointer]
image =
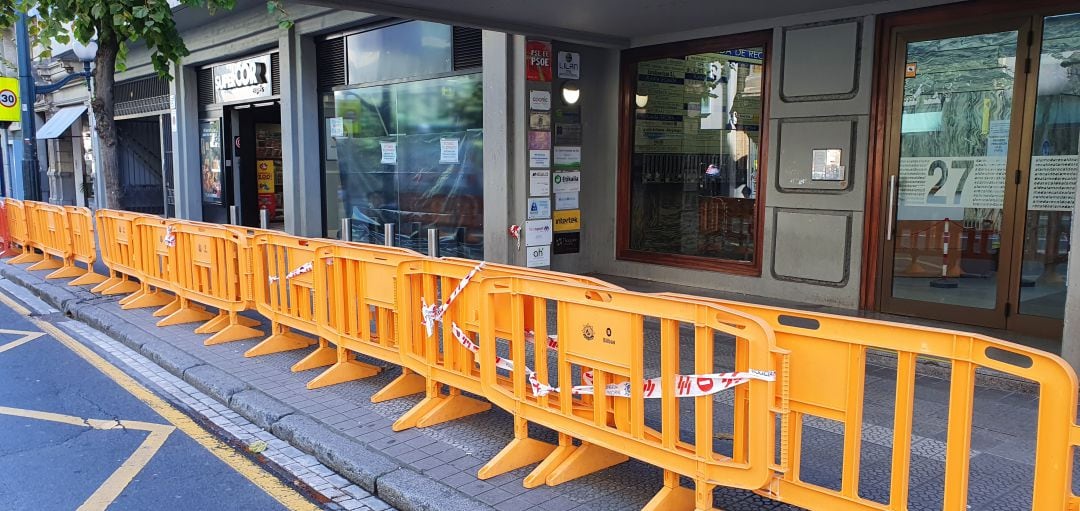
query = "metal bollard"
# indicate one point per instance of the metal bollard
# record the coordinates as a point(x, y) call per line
point(234, 217)
point(346, 229)
point(433, 242)
point(388, 235)
point(264, 218)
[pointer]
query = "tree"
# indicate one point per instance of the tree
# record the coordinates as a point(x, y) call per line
point(116, 24)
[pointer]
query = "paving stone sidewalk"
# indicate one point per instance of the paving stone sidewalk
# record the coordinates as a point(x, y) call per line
point(435, 467)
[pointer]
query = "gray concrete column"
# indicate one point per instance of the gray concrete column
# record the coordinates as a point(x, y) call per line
point(505, 173)
point(300, 155)
point(1070, 335)
point(185, 138)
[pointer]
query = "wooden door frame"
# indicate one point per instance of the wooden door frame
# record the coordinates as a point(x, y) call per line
point(888, 29)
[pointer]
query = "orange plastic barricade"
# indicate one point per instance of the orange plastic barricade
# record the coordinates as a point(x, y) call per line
point(206, 269)
point(284, 292)
point(356, 311)
point(5, 232)
point(83, 243)
point(19, 225)
point(438, 284)
point(247, 261)
point(827, 365)
point(600, 337)
point(47, 232)
point(153, 263)
point(116, 237)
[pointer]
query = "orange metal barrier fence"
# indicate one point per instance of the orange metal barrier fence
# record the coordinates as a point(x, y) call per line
point(119, 250)
point(47, 226)
point(19, 225)
point(5, 231)
point(153, 264)
point(83, 243)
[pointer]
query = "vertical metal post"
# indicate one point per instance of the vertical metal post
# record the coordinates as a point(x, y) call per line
point(264, 218)
point(31, 186)
point(433, 242)
point(388, 234)
point(234, 217)
point(346, 229)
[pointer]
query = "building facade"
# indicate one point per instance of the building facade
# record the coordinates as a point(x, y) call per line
point(916, 158)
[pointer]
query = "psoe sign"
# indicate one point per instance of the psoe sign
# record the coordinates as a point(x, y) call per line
point(243, 80)
point(9, 100)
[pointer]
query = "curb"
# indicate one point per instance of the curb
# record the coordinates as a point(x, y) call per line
point(379, 474)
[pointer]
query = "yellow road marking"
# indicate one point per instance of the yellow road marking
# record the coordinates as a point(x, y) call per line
point(122, 476)
point(27, 337)
point(270, 484)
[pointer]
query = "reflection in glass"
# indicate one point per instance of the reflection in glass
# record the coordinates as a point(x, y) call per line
point(410, 154)
point(1054, 162)
point(406, 50)
point(954, 140)
point(693, 176)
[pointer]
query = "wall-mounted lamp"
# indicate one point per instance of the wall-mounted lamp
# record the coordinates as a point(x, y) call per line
point(570, 93)
point(641, 100)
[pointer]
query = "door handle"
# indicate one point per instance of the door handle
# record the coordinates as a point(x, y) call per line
point(892, 209)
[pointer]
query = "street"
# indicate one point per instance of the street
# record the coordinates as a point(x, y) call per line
point(76, 438)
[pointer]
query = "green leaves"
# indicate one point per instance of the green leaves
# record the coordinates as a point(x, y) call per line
point(140, 12)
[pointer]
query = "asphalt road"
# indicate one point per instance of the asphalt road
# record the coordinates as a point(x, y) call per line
point(71, 437)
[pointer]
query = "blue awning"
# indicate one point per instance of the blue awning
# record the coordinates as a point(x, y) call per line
point(58, 124)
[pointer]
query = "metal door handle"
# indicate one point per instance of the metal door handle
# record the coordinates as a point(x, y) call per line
point(892, 209)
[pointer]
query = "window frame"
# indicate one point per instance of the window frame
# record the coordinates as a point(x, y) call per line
point(627, 79)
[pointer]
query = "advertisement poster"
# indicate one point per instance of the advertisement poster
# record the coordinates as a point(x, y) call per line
point(539, 209)
point(566, 221)
point(539, 158)
point(567, 157)
point(537, 232)
point(569, 65)
point(389, 153)
point(210, 159)
point(565, 201)
point(538, 61)
point(540, 100)
point(1053, 183)
point(448, 150)
point(540, 140)
point(536, 257)
point(265, 175)
point(567, 182)
point(539, 182)
point(969, 182)
point(567, 242)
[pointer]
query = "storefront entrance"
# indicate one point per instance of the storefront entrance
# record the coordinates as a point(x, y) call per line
point(981, 157)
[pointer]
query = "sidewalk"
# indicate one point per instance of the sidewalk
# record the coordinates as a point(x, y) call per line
point(435, 468)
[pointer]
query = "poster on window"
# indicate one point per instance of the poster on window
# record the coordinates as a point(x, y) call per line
point(210, 160)
point(968, 182)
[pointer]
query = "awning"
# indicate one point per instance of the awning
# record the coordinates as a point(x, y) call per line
point(59, 123)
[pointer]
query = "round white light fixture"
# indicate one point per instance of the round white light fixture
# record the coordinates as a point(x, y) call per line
point(641, 100)
point(570, 93)
point(85, 52)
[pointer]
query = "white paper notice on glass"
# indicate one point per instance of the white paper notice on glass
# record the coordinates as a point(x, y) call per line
point(539, 182)
point(336, 126)
point(537, 232)
point(565, 201)
point(540, 100)
point(536, 257)
point(539, 208)
point(567, 182)
point(997, 139)
point(539, 158)
point(389, 153)
point(448, 150)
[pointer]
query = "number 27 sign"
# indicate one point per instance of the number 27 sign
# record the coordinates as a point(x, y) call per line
point(9, 99)
point(967, 182)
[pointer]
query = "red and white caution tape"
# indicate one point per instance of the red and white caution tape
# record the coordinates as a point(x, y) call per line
point(170, 237)
point(300, 270)
point(434, 313)
point(685, 385)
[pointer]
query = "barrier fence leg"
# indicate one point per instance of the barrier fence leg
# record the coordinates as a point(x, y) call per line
point(184, 313)
point(347, 368)
point(28, 256)
point(67, 271)
point(581, 461)
point(282, 339)
point(323, 356)
point(89, 278)
point(122, 287)
point(672, 496)
point(235, 330)
point(454, 406)
point(520, 452)
point(407, 384)
point(46, 263)
point(111, 281)
point(148, 298)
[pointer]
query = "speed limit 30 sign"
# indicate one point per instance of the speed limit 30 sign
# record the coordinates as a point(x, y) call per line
point(9, 99)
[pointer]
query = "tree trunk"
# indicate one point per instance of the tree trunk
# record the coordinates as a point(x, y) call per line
point(104, 76)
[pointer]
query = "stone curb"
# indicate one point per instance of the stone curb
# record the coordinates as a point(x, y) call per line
point(377, 473)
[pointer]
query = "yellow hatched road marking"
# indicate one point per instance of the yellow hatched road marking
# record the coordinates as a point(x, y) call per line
point(26, 337)
point(270, 484)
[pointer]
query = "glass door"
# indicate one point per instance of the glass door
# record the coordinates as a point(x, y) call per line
point(956, 103)
point(1050, 159)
